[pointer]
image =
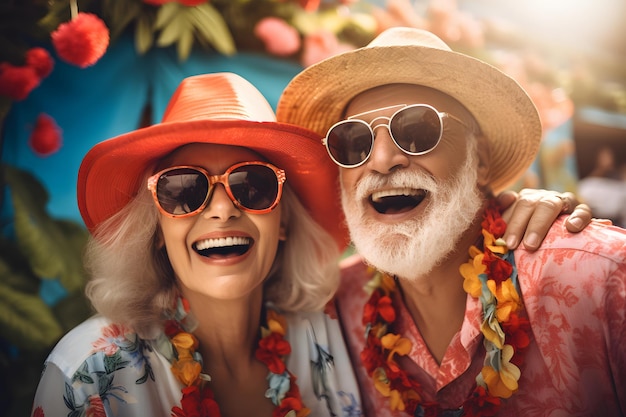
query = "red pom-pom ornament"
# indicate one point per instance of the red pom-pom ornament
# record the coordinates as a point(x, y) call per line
point(17, 82)
point(46, 136)
point(81, 41)
point(40, 60)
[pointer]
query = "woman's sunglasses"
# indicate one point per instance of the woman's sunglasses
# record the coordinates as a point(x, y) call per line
point(416, 129)
point(181, 191)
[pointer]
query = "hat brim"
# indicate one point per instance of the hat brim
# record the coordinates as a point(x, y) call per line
point(317, 97)
point(111, 172)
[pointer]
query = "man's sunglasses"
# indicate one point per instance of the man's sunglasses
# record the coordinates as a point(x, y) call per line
point(181, 191)
point(416, 129)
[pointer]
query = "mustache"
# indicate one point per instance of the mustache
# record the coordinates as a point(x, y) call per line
point(397, 179)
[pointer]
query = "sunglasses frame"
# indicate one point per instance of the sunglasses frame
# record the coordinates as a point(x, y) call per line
point(218, 179)
point(354, 119)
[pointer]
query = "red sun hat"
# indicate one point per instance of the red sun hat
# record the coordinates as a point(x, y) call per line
point(224, 109)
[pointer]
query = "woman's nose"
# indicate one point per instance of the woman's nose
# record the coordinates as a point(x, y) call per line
point(220, 205)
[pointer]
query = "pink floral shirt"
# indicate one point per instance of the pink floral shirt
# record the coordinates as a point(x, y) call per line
point(574, 291)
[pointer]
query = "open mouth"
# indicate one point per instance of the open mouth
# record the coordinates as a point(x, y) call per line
point(398, 200)
point(225, 247)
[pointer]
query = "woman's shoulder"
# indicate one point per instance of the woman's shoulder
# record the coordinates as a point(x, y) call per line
point(94, 335)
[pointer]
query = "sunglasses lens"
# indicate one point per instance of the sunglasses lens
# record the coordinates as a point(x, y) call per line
point(416, 129)
point(254, 186)
point(350, 142)
point(182, 190)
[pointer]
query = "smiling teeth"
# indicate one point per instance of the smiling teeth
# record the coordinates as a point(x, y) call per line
point(378, 195)
point(222, 242)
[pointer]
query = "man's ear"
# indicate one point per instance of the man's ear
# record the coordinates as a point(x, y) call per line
point(484, 161)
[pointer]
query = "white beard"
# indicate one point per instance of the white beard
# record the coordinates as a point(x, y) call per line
point(412, 248)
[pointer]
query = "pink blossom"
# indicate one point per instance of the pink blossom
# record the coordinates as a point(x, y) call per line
point(321, 45)
point(279, 38)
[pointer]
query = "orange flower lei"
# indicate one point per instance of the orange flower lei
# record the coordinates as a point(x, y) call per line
point(491, 276)
point(198, 399)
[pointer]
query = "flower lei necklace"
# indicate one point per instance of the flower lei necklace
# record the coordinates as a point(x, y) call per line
point(198, 399)
point(491, 276)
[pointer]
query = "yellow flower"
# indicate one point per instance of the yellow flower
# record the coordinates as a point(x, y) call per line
point(184, 343)
point(395, 401)
point(381, 382)
point(494, 245)
point(503, 383)
point(303, 412)
point(276, 323)
point(395, 344)
point(470, 272)
point(508, 300)
point(186, 370)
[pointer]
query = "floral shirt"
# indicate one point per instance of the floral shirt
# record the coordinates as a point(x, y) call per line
point(101, 369)
point(574, 291)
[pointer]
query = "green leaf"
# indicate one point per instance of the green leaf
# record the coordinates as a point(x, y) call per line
point(15, 269)
point(119, 14)
point(213, 28)
point(73, 275)
point(173, 31)
point(35, 239)
point(144, 36)
point(52, 248)
point(26, 321)
point(167, 13)
point(185, 43)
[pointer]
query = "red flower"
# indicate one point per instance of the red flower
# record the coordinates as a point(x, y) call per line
point(196, 404)
point(271, 349)
point(38, 412)
point(46, 136)
point(517, 331)
point(385, 309)
point(498, 269)
point(492, 222)
point(376, 305)
point(310, 5)
point(369, 309)
point(95, 408)
point(371, 356)
point(481, 404)
point(17, 82)
point(40, 60)
point(81, 41)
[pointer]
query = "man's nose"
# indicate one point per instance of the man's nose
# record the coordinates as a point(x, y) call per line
point(386, 155)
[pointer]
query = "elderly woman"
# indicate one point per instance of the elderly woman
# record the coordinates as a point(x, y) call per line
point(214, 252)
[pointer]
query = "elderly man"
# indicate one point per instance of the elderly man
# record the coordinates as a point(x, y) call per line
point(443, 318)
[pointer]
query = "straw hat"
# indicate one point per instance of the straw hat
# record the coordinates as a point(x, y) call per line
point(219, 109)
point(317, 97)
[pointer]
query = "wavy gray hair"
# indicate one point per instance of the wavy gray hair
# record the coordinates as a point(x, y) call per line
point(132, 281)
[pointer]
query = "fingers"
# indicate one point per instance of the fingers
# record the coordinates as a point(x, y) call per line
point(531, 216)
point(579, 219)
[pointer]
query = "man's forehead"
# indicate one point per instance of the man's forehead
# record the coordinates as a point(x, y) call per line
point(390, 95)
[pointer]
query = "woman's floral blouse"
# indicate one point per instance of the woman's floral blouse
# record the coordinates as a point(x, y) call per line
point(103, 369)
